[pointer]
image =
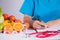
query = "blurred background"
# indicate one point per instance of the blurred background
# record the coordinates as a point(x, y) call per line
point(12, 7)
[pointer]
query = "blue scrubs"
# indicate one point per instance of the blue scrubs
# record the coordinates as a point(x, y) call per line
point(45, 10)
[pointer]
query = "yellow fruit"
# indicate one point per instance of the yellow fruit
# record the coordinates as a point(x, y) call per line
point(1, 19)
point(8, 28)
point(18, 26)
point(27, 25)
point(6, 22)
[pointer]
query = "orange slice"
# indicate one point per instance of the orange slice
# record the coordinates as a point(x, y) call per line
point(18, 27)
point(8, 28)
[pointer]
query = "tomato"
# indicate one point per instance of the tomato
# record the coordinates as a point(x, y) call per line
point(12, 18)
point(5, 15)
point(17, 20)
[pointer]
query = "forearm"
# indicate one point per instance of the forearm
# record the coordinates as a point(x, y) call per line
point(33, 24)
point(54, 22)
point(28, 19)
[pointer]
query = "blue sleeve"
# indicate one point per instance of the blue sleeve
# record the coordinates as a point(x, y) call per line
point(27, 7)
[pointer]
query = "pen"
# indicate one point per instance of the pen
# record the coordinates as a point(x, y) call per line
point(36, 30)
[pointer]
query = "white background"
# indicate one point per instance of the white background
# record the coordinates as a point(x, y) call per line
point(12, 7)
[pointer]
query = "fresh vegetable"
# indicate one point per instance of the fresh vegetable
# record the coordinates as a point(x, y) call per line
point(5, 15)
point(12, 18)
point(18, 21)
point(0, 11)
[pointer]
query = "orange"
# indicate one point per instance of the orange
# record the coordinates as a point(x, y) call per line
point(27, 24)
point(12, 23)
point(8, 28)
point(18, 26)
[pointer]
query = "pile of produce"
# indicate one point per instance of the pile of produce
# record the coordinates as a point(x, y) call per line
point(9, 24)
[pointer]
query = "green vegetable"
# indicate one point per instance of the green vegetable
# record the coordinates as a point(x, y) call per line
point(0, 11)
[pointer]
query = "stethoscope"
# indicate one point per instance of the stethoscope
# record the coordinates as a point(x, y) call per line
point(45, 34)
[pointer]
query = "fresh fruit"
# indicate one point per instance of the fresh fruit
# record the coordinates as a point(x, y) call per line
point(14, 32)
point(1, 19)
point(18, 27)
point(12, 23)
point(7, 32)
point(6, 22)
point(18, 21)
point(27, 25)
point(8, 28)
point(5, 15)
point(12, 18)
point(1, 27)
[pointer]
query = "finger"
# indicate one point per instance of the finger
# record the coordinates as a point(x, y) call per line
point(36, 26)
point(40, 23)
point(39, 27)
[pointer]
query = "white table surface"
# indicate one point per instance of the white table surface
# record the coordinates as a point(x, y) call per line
point(22, 36)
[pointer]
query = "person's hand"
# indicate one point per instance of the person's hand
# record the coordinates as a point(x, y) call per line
point(38, 25)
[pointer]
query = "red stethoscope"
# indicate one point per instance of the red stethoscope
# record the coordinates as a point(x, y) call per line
point(45, 34)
